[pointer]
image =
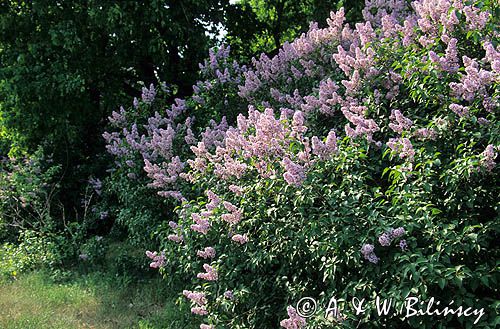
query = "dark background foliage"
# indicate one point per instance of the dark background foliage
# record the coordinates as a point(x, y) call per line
point(67, 64)
point(265, 25)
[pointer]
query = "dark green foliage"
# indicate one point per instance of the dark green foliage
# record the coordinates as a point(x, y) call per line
point(256, 26)
point(66, 65)
point(28, 190)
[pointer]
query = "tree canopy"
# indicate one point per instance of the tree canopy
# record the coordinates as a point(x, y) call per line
point(66, 64)
point(256, 26)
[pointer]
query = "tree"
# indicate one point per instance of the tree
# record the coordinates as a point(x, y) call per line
point(67, 64)
point(256, 26)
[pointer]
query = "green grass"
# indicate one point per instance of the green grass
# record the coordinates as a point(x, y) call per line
point(96, 300)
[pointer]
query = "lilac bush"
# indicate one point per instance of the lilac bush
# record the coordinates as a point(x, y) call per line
point(150, 143)
point(359, 161)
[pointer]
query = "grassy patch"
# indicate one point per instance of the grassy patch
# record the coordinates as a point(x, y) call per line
point(94, 300)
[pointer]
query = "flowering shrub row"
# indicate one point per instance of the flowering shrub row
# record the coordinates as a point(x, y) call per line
point(357, 162)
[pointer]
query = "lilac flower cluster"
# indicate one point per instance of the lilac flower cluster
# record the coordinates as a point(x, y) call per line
point(324, 150)
point(261, 142)
point(368, 252)
point(397, 232)
point(228, 294)
point(294, 174)
point(385, 239)
point(96, 185)
point(488, 157)
point(148, 95)
point(199, 299)
point(234, 215)
point(448, 63)
point(175, 238)
point(118, 118)
point(403, 147)
point(399, 122)
point(241, 239)
point(208, 252)
point(202, 224)
point(294, 321)
point(210, 273)
point(236, 189)
point(158, 260)
point(474, 82)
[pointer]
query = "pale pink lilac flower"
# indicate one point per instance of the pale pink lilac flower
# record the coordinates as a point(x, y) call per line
point(475, 18)
point(148, 95)
point(175, 238)
point(295, 173)
point(403, 147)
point(208, 252)
point(232, 218)
point(488, 157)
point(214, 200)
point(158, 260)
point(241, 239)
point(198, 298)
point(202, 224)
point(399, 122)
point(229, 206)
point(325, 150)
point(474, 82)
point(492, 56)
point(459, 110)
point(210, 273)
point(199, 310)
point(294, 321)
point(118, 118)
point(450, 61)
point(236, 189)
point(490, 104)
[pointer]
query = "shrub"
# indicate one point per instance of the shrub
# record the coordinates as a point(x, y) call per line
point(151, 141)
point(28, 187)
point(33, 250)
point(374, 176)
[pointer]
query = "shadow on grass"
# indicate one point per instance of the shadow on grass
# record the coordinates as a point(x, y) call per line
point(95, 300)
